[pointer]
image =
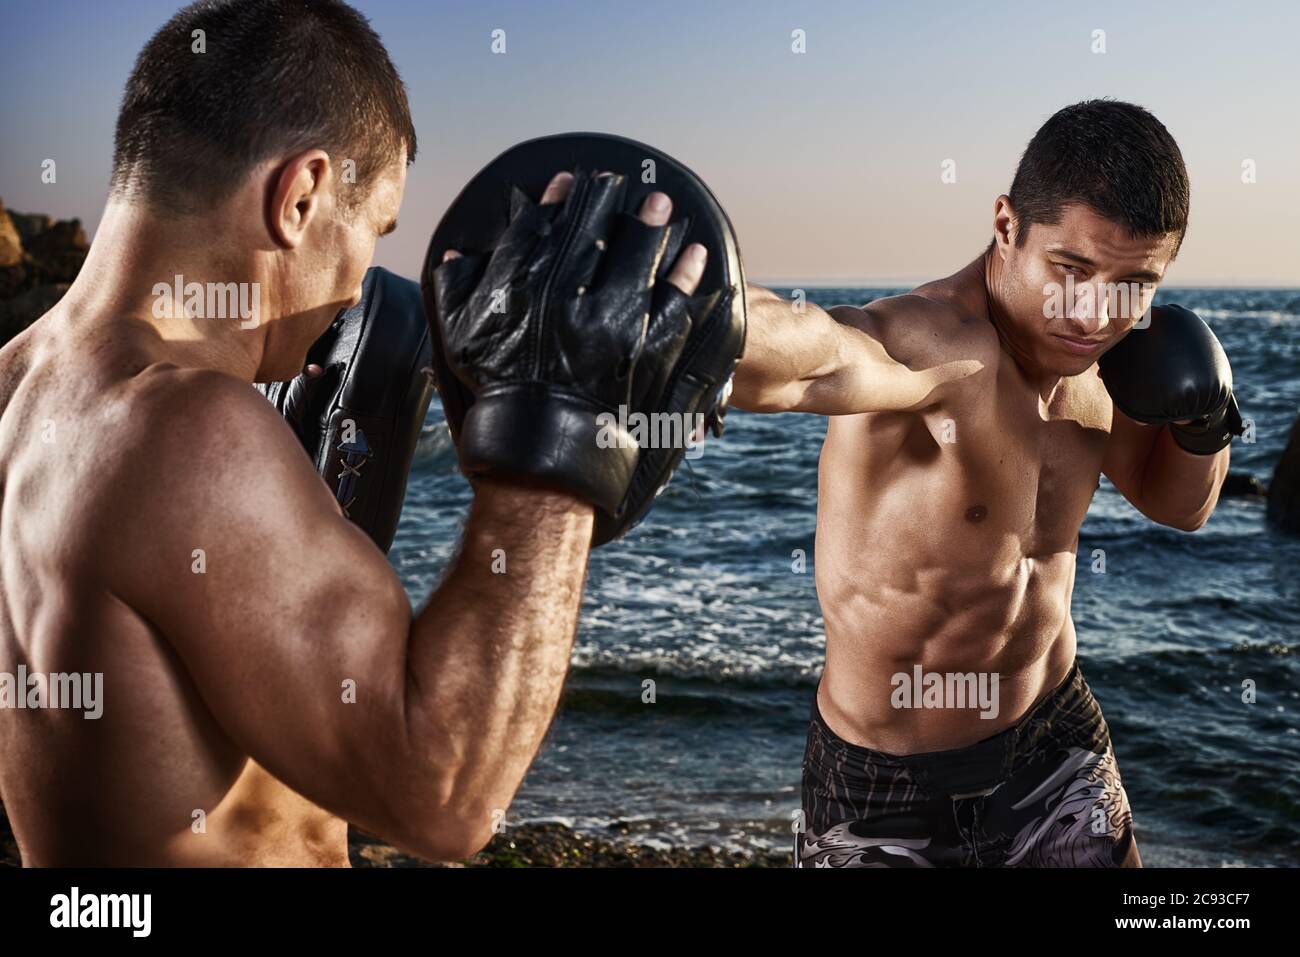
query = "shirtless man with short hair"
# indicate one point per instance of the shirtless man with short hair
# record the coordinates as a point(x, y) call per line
point(265, 681)
point(967, 435)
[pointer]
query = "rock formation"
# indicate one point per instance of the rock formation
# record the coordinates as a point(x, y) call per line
point(39, 258)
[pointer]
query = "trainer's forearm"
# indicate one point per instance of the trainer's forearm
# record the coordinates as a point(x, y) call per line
point(785, 350)
point(490, 652)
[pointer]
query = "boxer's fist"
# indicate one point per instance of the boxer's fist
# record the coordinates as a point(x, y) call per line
point(1171, 372)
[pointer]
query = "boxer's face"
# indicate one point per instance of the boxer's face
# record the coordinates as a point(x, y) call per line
point(1074, 288)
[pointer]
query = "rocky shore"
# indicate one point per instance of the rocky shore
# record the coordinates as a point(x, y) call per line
point(530, 845)
point(557, 845)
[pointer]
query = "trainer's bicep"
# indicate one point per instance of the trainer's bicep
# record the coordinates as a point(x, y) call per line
point(305, 669)
point(308, 601)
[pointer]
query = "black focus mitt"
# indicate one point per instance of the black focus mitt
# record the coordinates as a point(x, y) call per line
point(360, 419)
point(558, 320)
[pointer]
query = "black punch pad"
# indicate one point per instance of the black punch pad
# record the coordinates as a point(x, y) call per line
point(481, 213)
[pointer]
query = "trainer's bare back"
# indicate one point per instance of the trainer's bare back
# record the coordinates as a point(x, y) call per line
point(154, 780)
point(946, 536)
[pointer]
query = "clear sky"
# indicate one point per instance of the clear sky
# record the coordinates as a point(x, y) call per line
point(829, 162)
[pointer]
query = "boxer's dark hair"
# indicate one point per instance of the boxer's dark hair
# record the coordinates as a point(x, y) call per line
point(1114, 157)
point(277, 77)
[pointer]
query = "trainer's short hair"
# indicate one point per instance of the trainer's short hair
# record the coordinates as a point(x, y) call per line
point(263, 78)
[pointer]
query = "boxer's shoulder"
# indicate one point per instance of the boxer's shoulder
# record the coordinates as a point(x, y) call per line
point(932, 325)
point(925, 331)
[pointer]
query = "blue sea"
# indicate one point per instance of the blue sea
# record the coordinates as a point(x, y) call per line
point(702, 600)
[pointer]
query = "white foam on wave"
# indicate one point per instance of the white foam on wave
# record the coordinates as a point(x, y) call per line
point(708, 660)
point(1271, 315)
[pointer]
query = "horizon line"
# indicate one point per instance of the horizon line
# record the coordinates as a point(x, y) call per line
point(910, 283)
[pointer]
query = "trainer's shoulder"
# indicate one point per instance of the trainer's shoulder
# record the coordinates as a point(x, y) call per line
point(202, 434)
point(196, 407)
point(924, 328)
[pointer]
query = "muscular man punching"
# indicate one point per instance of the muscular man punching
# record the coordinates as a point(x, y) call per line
point(264, 680)
point(970, 422)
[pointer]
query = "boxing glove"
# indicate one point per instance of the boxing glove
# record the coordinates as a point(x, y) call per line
point(1171, 371)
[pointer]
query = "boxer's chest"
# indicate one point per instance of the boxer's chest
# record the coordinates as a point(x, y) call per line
point(1031, 463)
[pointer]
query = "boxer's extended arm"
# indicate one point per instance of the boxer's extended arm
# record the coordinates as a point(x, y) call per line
point(288, 606)
point(894, 354)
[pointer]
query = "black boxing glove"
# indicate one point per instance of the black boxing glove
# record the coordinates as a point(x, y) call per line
point(360, 419)
point(543, 333)
point(1172, 370)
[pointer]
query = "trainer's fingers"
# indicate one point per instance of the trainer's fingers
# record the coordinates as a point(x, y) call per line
point(558, 188)
point(689, 268)
point(655, 209)
point(450, 254)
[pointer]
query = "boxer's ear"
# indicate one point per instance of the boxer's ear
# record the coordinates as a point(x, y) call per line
point(296, 193)
point(1004, 224)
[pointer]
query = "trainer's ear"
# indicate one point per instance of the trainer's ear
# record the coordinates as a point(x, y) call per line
point(296, 196)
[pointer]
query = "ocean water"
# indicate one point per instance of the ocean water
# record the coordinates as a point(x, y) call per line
point(702, 599)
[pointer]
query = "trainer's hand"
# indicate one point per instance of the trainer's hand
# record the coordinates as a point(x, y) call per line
point(656, 210)
point(558, 324)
